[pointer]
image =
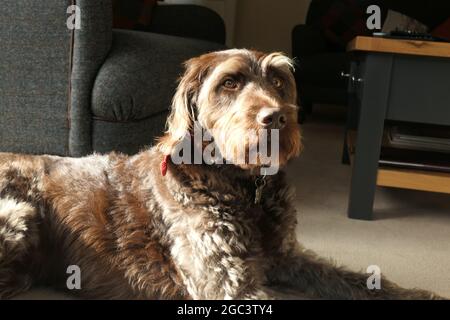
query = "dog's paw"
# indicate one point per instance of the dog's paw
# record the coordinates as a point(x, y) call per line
point(259, 295)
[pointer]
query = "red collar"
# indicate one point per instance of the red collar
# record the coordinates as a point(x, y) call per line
point(163, 165)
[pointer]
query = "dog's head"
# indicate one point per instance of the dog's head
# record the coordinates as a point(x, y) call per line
point(237, 95)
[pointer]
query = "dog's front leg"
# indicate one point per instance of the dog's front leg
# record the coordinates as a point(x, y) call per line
point(217, 265)
point(314, 277)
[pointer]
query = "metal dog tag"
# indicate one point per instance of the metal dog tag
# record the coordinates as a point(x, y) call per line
point(260, 183)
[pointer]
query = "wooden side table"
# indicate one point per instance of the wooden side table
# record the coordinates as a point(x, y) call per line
point(399, 80)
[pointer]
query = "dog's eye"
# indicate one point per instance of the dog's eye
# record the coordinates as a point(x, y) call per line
point(230, 83)
point(277, 83)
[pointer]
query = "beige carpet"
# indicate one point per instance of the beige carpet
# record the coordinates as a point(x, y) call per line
point(409, 238)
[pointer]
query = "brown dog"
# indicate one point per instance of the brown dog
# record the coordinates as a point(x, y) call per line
point(195, 231)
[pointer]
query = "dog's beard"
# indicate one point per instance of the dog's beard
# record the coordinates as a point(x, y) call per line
point(290, 143)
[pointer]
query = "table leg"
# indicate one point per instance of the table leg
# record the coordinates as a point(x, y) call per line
point(375, 82)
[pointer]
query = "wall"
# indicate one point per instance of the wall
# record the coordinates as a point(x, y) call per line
point(267, 24)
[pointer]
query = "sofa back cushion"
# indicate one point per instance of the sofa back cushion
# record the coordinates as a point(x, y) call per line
point(133, 14)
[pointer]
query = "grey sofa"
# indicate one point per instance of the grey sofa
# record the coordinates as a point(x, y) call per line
point(74, 92)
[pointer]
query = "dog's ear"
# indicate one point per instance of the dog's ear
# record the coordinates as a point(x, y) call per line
point(183, 110)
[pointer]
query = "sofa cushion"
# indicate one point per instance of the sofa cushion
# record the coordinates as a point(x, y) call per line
point(443, 30)
point(127, 137)
point(132, 14)
point(343, 21)
point(139, 77)
point(173, 19)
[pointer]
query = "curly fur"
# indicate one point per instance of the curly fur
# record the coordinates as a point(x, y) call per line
point(193, 234)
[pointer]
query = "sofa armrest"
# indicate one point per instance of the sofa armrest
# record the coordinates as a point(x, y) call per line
point(90, 48)
point(307, 40)
point(138, 79)
point(190, 21)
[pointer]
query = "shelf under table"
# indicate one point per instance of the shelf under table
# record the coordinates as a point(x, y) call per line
point(424, 180)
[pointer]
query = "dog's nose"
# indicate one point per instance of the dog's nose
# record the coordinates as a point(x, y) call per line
point(271, 118)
